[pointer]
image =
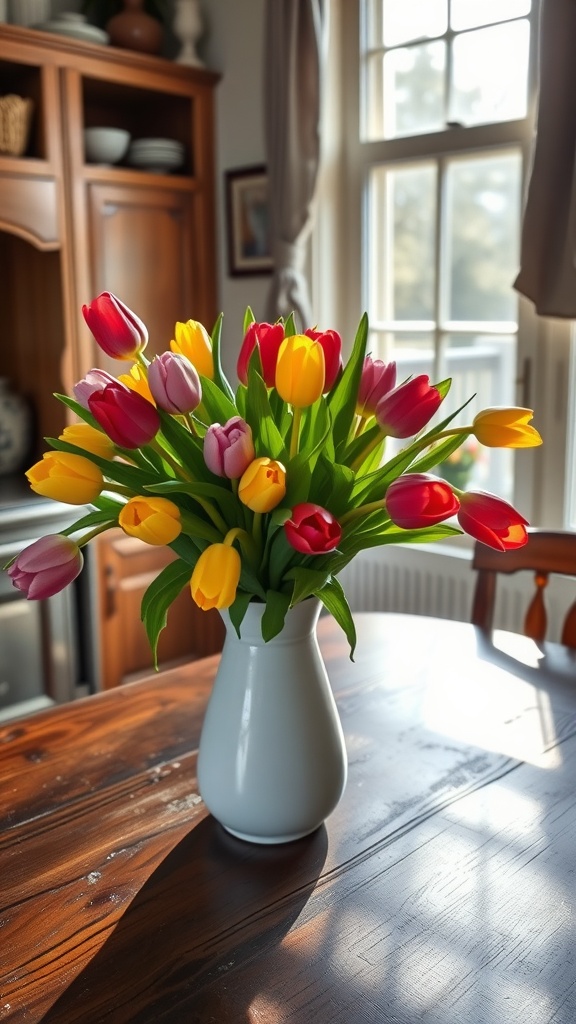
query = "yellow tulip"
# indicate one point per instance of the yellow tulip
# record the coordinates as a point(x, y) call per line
point(68, 478)
point(503, 427)
point(216, 576)
point(155, 520)
point(300, 371)
point(193, 341)
point(262, 485)
point(137, 381)
point(90, 439)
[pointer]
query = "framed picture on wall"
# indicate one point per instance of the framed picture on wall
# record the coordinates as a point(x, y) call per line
point(248, 221)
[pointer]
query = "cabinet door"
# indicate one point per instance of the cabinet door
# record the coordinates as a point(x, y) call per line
point(142, 250)
point(125, 568)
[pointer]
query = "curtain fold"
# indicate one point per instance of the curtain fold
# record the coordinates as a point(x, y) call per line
point(293, 71)
point(548, 248)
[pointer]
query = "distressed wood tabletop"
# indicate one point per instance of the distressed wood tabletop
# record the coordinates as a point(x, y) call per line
point(442, 889)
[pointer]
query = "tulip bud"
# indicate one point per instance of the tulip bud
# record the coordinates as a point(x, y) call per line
point(408, 408)
point(65, 477)
point(193, 341)
point(377, 380)
point(95, 380)
point(268, 338)
point(492, 521)
point(90, 439)
point(263, 485)
point(312, 530)
point(417, 500)
point(331, 343)
point(300, 371)
point(124, 415)
point(505, 428)
point(174, 383)
point(46, 567)
point(137, 380)
point(153, 519)
point(216, 576)
point(118, 331)
point(229, 449)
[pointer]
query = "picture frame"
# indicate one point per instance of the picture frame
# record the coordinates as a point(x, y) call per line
point(248, 221)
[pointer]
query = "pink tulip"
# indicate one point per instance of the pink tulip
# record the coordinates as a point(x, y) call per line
point(95, 380)
point(228, 449)
point(268, 337)
point(408, 408)
point(312, 530)
point(378, 379)
point(492, 521)
point(331, 343)
point(127, 418)
point(419, 499)
point(174, 383)
point(47, 566)
point(118, 331)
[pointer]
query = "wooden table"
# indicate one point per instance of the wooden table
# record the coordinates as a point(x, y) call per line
point(442, 889)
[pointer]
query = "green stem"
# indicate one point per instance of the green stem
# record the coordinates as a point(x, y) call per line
point(95, 533)
point(296, 418)
point(213, 513)
point(362, 510)
point(178, 470)
point(366, 452)
point(127, 492)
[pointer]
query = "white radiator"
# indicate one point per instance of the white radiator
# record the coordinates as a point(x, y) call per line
point(440, 581)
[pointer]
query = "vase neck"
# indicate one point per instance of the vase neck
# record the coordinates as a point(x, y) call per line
point(300, 622)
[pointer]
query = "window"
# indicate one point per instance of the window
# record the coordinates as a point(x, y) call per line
point(436, 125)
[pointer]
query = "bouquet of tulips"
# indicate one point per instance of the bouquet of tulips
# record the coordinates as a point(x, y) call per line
point(264, 492)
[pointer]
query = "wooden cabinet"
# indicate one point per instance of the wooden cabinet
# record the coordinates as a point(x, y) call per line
point(70, 229)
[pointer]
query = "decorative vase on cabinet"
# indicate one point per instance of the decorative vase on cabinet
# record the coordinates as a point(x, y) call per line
point(134, 29)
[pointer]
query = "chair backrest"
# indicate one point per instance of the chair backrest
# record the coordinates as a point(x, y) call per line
point(545, 553)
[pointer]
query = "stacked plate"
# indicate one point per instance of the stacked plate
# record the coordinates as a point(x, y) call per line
point(75, 26)
point(156, 155)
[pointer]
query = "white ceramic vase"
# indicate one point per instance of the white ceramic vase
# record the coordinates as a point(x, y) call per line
point(189, 28)
point(272, 760)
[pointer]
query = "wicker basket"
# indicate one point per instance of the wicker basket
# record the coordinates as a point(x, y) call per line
point(15, 118)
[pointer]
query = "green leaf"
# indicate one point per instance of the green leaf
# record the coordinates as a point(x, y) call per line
point(438, 453)
point(342, 400)
point(91, 520)
point(158, 598)
point(119, 472)
point(334, 600)
point(277, 604)
point(237, 610)
point(307, 581)
point(268, 441)
point(219, 405)
point(220, 379)
point(249, 318)
point(187, 449)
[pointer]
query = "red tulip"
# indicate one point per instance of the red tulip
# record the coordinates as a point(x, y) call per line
point(46, 567)
point(128, 419)
point(492, 520)
point(331, 343)
point(419, 499)
point(377, 380)
point(312, 530)
point(409, 407)
point(268, 337)
point(118, 331)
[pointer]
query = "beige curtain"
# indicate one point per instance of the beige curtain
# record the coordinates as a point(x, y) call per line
point(293, 65)
point(548, 252)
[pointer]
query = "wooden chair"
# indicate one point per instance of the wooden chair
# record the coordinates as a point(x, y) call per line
point(545, 553)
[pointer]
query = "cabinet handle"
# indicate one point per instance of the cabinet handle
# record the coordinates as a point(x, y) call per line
point(110, 606)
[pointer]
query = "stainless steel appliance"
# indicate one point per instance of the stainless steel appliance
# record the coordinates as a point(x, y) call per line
point(42, 660)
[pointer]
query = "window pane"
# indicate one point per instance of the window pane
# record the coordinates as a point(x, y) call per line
point(402, 223)
point(413, 87)
point(470, 13)
point(482, 238)
point(404, 20)
point(482, 365)
point(479, 95)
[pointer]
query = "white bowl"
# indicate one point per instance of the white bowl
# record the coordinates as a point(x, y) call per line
point(105, 145)
point(160, 162)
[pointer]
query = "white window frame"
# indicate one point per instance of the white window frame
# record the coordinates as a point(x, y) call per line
point(546, 374)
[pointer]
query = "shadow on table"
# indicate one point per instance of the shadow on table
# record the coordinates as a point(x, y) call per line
point(214, 903)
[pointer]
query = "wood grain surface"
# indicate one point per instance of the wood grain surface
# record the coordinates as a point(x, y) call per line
point(441, 889)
